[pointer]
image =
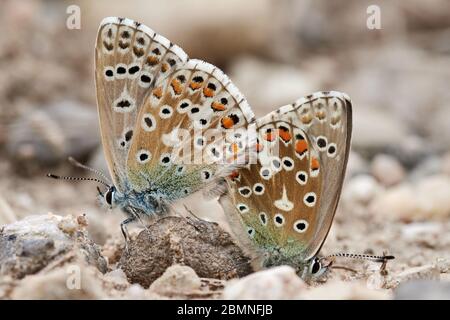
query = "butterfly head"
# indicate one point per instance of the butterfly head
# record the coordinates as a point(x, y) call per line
point(312, 270)
point(109, 197)
point(315, 269)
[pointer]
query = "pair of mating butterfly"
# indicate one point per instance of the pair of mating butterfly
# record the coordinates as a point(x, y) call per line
point(172, 125)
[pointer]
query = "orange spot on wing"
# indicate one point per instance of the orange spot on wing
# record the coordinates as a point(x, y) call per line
point(284, 135)
point(164, 67)
point(301, 146)
point(259, 147)
point(157, 92)
point(217, 106)
point(208, 92)
point(270, 136)
point(234, 175)
point(152, 60)
point(227, 122)
point(315, 163)
point(176, 86)
point(195, 85)
point(234, 148)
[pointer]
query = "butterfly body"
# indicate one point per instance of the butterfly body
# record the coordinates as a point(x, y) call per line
point(145, 203)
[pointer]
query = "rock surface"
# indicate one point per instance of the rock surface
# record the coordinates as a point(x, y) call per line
point(199, 244)
point(29, 245)
point(423, 290)
point(50, 134)
point(276, 283)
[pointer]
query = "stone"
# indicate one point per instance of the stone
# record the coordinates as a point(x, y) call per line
point(356, 165)
point(426, 199)
point(387, 170)
point(425, 272)
point(66, 283)
point(340, 290)
point(430, 166)
point(199, 244)
point(50, 134)
point(275, 283)
point(176, 280)
point(438, 128)
point(361, 189)
point(29, 245)
point(423, 290)
point(445, 165)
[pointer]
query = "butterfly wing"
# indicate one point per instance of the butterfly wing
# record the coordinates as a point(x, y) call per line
point(129, 59)
point(288, 198)
point(191, 120)
point(327, 119)
point(278, 197)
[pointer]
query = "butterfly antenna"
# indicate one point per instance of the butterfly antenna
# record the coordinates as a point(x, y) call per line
point(369, 257)
point(85, 167)
point(54, 176)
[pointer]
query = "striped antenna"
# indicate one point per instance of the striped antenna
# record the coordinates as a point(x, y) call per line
point(369, 257)
point(50, 175)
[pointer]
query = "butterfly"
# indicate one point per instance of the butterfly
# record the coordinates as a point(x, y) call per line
point(281, 207)
point(165, 119)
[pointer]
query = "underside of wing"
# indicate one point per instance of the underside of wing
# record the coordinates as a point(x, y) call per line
point(130, 58)
point(326, 117)
point(287, 199)
point(192, 124)
point(277, 198)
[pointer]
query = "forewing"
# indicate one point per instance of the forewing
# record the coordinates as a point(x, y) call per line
point(129, 59)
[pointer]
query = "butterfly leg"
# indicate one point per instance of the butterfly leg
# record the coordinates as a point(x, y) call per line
point(124, 230)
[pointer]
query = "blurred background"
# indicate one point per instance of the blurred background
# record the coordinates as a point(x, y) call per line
point(397, 191)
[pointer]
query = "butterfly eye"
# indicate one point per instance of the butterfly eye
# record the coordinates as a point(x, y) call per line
point(316, 266)
point(109, 195)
